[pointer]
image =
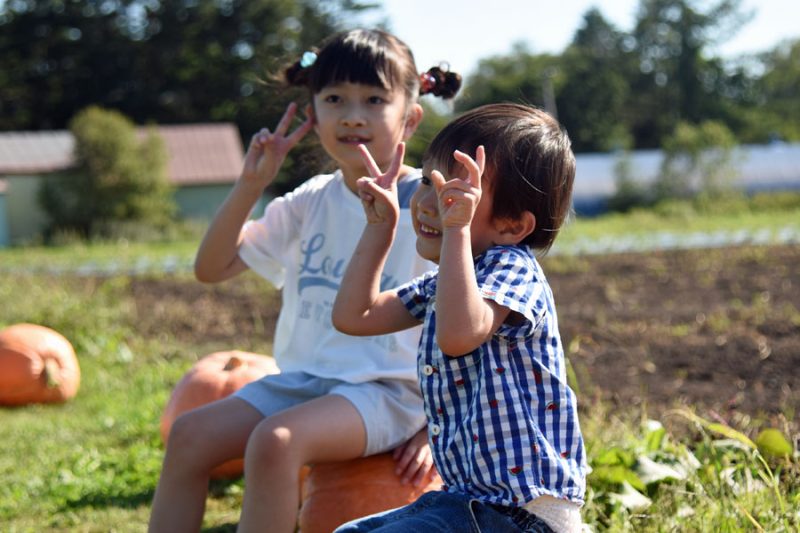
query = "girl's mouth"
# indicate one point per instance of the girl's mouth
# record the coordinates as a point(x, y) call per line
point(353, 139)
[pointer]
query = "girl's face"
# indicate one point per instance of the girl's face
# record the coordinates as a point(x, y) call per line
point(348, 114)
point(484, 232)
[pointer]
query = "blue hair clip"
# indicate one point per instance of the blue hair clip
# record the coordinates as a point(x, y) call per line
point(307, 59)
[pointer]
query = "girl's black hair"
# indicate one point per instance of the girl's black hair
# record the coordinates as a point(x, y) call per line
point(529, 163)
point(370, 57)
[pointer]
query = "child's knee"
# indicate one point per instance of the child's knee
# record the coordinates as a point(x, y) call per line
point(270, 443)
point(186, 436)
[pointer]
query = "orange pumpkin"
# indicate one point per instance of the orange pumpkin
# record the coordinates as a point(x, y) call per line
point(212, 378)
point(37, 365)
point(335, 493)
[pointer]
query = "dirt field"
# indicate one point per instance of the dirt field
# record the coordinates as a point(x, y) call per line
point(718, 329)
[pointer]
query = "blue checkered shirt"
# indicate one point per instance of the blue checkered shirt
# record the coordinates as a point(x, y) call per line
point(502, 422)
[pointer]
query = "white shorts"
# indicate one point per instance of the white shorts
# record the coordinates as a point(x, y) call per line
point(391, 409)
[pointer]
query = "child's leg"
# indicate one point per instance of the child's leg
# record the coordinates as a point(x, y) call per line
point(199, 440)
point(328, 428)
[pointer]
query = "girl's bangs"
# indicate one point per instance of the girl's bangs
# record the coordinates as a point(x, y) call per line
point(343, 64)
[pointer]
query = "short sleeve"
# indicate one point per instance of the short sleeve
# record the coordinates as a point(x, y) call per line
point(416, 293)
point(510, 276)
point(267, 240)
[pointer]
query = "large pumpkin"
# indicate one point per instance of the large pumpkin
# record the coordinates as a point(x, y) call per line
point(37, 365)
point(335, 493)
point(212, 378)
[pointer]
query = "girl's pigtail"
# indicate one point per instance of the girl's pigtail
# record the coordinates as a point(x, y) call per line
point(439, 81)
point(297, 74)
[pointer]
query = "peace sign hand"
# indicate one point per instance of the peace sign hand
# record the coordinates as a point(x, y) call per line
point(268, 150)
point(459, 198)
point(378, 192)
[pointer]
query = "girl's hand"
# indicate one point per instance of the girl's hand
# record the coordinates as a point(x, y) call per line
point(459, 198)
point(267, 150)
point(378, 193)
point(414, 459)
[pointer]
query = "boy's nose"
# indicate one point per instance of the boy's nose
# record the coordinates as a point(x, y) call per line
point(427, 201)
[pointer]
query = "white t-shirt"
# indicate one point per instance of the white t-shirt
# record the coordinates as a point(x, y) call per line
point(302, 244)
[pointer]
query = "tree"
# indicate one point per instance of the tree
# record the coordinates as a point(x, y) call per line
point(676, 82)
point(520, 76)
point(778, 92)
point(117, 178)
point(593, 97)
point(697, 158)
point(163, 61)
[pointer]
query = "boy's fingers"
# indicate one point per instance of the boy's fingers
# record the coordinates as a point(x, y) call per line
point(437, 180)
point(480, 158)
point(474, 169)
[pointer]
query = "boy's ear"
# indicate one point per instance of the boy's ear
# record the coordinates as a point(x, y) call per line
point(513, 231)
point(413, 119)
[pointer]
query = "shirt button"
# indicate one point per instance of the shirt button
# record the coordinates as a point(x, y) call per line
point(427, 370)
point(435, 429)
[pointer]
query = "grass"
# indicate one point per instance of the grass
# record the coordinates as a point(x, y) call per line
point(92, 464)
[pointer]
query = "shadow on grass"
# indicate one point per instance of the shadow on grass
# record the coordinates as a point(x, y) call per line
point(126, 501)
point(224, 528)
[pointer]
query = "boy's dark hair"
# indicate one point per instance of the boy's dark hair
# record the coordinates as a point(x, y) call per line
point(370, 57)
point(529, 163)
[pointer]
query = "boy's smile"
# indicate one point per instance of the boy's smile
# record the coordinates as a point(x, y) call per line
point(427, 219)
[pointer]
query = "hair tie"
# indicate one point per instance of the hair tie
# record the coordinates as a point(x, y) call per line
point(427, 82)
point(307, 59)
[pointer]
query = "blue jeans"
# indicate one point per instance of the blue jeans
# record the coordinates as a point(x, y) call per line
point(441, 512)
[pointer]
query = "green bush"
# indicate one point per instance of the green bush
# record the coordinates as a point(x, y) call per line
point(117, 178)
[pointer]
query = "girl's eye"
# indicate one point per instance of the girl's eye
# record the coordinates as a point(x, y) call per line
point(376, 100)
point(425, 180)
point(332, 98)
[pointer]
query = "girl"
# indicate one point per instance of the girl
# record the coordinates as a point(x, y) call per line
point(502, 421)
point(337, 397)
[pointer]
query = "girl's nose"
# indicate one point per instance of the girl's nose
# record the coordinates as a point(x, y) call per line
point(353, 117)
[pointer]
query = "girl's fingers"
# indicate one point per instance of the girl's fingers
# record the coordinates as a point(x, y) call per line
point(301, 131)
point(397, 163)
point(372, 167)
point(286, 119)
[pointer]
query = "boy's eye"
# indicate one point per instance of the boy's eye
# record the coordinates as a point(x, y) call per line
point(332, 98)
point(425, 180)
point(376, 100)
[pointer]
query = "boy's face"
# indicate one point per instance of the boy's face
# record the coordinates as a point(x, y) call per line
point(427, 219)
point(348, 114)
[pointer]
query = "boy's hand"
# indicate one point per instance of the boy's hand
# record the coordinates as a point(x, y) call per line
point(414, 459)
point(378, 193)
point(267, 150)
point(459, 198)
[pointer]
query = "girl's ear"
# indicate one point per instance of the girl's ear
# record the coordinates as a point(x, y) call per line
point(413, 119)
point(513, 231)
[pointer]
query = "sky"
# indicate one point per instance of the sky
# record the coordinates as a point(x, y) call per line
point(461, 32)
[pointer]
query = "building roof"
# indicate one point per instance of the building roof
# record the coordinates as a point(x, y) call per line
point(198, 153)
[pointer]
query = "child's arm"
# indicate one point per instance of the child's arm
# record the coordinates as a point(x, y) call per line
point(218, 256)
point(360, 307)
point(464, 319)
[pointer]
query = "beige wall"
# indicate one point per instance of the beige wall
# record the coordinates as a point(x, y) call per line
point(26, 220)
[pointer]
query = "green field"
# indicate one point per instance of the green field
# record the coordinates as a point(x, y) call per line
point(92, 463)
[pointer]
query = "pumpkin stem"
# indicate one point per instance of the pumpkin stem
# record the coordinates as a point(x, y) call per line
point(51, 373)
point(233, 363)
